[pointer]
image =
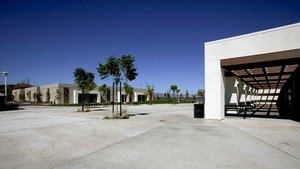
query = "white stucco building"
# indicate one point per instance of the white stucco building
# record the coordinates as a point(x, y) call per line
point(70, 94)
point(252, 68)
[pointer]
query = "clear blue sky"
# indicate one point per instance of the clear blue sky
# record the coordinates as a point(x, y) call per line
point(45, 40)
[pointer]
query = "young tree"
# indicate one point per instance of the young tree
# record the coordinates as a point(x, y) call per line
point(173, 88)
point(48, 96)
point(29, 96)
point(187, 95)
point(85, 82)
point(37, 96)
point(22, 97)
point(58, 96)
point(150, 93)
point(129, 91)
point(201, 93)
point(118, 70)
point(168, 95)
point(104, 91)
point(108, 70)
point(177, 92)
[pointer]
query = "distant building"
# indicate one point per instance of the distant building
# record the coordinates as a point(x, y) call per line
point(70, 94)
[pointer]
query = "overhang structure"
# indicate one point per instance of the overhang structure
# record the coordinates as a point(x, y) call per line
point(259, 61)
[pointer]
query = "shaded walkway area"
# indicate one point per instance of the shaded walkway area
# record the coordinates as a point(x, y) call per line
point(264, 85)
point(260, 110)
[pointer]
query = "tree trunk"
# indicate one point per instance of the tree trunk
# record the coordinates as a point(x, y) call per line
point(117, 98)
point(113, 98)
point(173, 96)
point(82, 103)
point(120, 98)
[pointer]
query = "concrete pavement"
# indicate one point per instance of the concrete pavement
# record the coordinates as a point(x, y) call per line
point(168, 137)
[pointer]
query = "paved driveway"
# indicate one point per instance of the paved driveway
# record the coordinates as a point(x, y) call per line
point(168, 137)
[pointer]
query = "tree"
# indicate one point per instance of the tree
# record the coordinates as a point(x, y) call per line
point(22, 97)
point(201, 93)
point(127, 67)
point(104, 90)
point(118, 69)
point(110, 69)
point(177, 92)
point(85, 82)
point(173, 88)
point(28, 96)
point(48, 96)
point(58, 96)
point(187, 95)
point(129, 91)
point(168, 95)
point(150, 93)
point(37, 96)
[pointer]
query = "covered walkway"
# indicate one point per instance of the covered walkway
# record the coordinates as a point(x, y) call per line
point(258, 82)
point(256, 73)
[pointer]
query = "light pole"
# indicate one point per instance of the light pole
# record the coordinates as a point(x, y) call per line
point(5, 74)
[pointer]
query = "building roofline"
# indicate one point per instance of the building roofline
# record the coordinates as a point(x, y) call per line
point(254, 33)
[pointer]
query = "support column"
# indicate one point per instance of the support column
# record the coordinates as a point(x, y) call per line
point(75, 96)
point(135, 97)
point(214, 90)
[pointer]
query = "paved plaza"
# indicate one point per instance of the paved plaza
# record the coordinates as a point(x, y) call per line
point(157, 137)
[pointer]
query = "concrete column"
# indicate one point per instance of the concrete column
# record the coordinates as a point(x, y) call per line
point(118, 96)
point(75, 96)
point(214, 90)
point(98, 98)
point(135, 97)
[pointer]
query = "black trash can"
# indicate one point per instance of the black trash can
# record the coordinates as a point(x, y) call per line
point(198, 110)
point(2, 104)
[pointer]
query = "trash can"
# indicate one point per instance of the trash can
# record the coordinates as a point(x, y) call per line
point(198, 110)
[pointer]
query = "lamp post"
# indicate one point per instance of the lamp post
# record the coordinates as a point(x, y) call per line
point(5, 74)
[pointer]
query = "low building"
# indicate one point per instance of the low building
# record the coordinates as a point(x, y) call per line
point(59, 93)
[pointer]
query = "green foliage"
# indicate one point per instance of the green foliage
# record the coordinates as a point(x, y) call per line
point(177, 92)
point(28, 96)
point(129, 91)
point(37, 96)
point(21, 86)
point(118, 69)
point(149, 93)
point(187, 95)
point(168, 95)
point(58, 96)
point(173, 88)
point(127, 67)
point(104, 90)
point(84, 81)
point(110, 69)
point(201, 92)
point(22, 97)
point(48, 96)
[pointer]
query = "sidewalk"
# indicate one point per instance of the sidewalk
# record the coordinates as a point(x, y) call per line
point(169, 137)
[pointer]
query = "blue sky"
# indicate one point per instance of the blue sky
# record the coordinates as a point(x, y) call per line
point(47, 40)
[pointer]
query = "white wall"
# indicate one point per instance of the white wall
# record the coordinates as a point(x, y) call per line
point(273, 40)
